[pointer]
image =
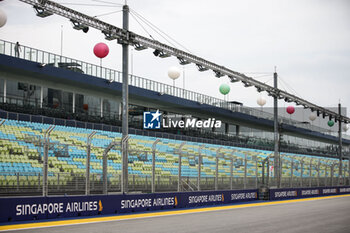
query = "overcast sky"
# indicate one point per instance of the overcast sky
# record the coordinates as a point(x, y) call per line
point(308, 41)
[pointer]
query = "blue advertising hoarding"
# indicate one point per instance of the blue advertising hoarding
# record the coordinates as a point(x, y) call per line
point(36, 208)
point(291, 193)
point(32, 208)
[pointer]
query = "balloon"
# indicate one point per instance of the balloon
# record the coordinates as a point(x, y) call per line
point(174, 72)
point(261, 101)
point(330, 123)
point(3, 18)
point(224, 89)
point(290, 109)
point(312, 116)
point(101, 50)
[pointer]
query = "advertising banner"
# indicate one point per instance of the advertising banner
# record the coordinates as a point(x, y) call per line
point(291, 193)
point(33, 208)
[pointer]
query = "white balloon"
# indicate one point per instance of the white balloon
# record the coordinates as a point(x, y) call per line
point(312, 116)
point(3, 18)
point(345, 127)
point(261, 101)
point(174, 72)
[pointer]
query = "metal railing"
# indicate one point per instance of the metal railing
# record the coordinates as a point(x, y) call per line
point(36, 55)
point(15, 110)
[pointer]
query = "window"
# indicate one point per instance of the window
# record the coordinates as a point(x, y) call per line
point(22, 94)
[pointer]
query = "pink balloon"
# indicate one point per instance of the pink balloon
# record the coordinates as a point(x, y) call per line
point(101, 50)
point(290, 109)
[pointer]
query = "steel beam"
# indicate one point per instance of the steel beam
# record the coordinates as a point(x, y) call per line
point(113, 32)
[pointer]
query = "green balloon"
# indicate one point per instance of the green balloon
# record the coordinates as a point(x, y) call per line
point(224, 89)
point(330, 123)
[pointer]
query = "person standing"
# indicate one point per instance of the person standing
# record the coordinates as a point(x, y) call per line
point(17, 49)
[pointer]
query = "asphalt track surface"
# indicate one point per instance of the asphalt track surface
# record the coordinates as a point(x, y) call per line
point(329, 215)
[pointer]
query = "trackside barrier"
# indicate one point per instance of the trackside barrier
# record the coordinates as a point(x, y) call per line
point(292, 193)
point(33, 208)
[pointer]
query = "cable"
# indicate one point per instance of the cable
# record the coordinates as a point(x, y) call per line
point(141, 25)
point(270, 73)
point(283, 87)
point(112, 3)
point(85, 4)
point(268, 81)
point(108, 13)
point(292, 89)
point(261, 76)
point(152, 25)
point(135, 14)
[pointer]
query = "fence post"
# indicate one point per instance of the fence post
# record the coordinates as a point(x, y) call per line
point(245, 171)
point(267, 161)
point(125, 164)
point(263, 171)
point(325, 175)
point(231, 174)
point(179, 170)
point(93, 182)
point(217, 168)
point(76, 182)
point(310, 173)
point(179, 175)
point(17, 180)
point(349, 170)
point(332, 173)
point(46, 158)
point(105, 165)
point(291, 172)
point(281, 171)
point(38, 181)
point(318, 172)
point(88, 158)
point(231, 169)
point(146, 183)
point(256, 172)
point(301, 172)
point(154, 165)
point(340, 172)
point(58, 181)
point(268, 172)
point(199, 167)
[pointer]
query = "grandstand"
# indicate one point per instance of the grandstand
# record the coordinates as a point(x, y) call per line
point(229, 159)
point(22, 157)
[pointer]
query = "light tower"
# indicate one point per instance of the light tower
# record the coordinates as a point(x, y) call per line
point(125, 101)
